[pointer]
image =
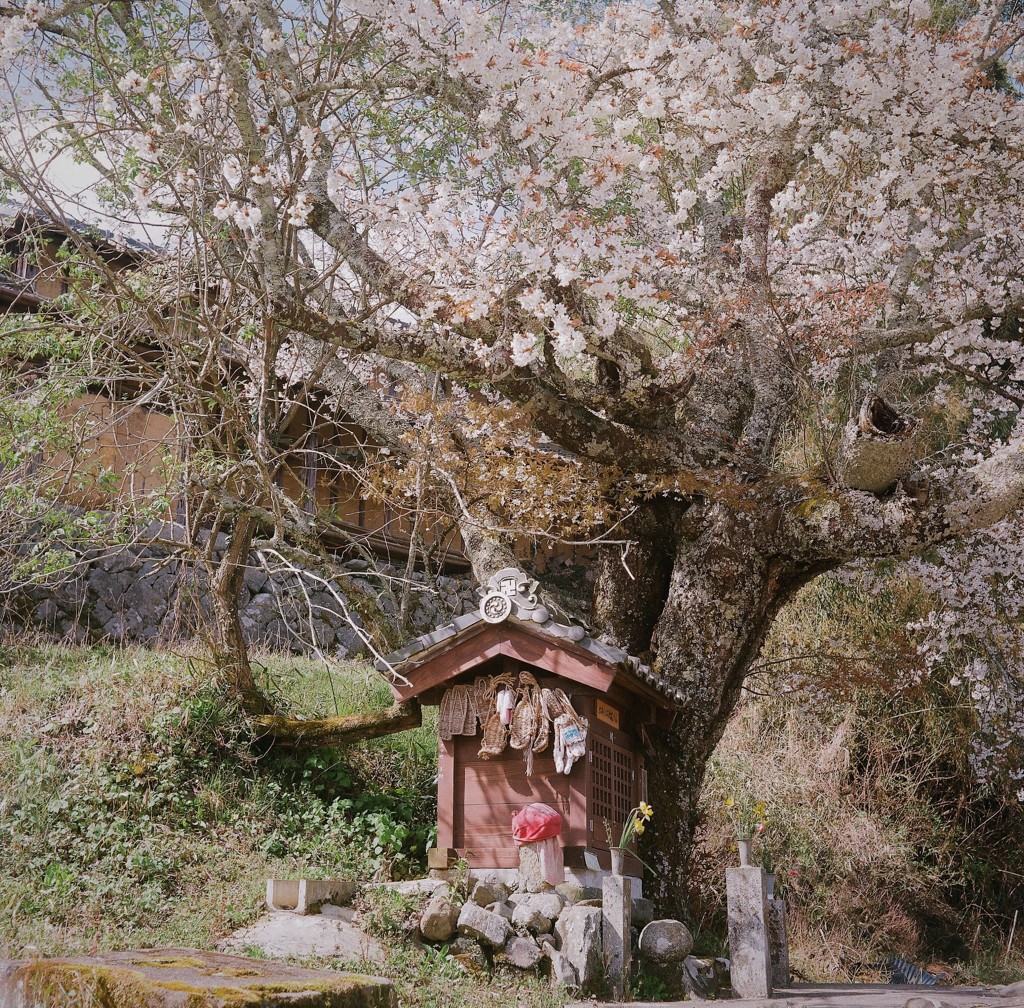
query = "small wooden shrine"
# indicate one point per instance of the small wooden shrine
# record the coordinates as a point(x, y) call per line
point(573, 735)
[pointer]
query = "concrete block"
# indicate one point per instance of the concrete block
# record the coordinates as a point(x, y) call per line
point(779, 942)
point(617, 911)
point(282, 894)
point(749, 948)
point(306, 895)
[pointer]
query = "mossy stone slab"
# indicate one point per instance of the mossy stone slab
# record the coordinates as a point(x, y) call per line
point(183, 978)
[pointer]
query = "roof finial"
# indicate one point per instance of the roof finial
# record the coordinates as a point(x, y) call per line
point(511, 592)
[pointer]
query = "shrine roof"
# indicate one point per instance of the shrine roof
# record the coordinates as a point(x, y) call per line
point(517, 610)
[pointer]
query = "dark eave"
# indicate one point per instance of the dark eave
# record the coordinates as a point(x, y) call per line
point(99, 237)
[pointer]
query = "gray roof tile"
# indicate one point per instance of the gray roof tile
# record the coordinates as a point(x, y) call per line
point(605, 652)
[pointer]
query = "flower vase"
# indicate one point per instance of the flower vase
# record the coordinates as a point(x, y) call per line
point(769, 885)
point(744, 846)
point(618, 859)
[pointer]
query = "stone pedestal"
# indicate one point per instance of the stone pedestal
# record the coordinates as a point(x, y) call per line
point(779, 942)
point(749, 948)
point(304, 896)
point(617, 910)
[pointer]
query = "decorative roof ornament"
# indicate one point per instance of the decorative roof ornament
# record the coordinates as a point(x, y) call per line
point(510, 592)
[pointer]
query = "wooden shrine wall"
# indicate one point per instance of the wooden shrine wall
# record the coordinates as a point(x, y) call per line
point(476, 797)
point(485, 793)
point(615, 778)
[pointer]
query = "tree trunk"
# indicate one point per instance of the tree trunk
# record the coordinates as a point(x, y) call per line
point(633, 584)
point(723, 593)
point(879, 447)
point(230, 650)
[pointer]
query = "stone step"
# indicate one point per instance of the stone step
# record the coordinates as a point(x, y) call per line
point(180, 977)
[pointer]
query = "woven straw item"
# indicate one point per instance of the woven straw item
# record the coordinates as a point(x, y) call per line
point(540, 709)
point(493, 743)
point(524, 725)
point(469, 725)
point(483, 698)
point(567, 708)
point(461, 720)
point(446, 715)
point(543, 733)
point(457, 715)
point(551, 703)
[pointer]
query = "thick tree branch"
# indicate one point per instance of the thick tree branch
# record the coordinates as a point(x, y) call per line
point(346, 729)
point(851, 524)
point(912, 333)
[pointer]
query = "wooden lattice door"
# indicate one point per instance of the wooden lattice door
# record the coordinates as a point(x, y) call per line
point(613, 789)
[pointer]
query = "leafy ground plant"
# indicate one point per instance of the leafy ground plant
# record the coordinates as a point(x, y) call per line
point(138, 809)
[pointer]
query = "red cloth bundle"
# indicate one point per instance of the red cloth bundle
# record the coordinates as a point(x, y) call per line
point(535, 822)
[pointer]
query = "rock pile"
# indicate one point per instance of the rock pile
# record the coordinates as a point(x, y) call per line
point(556, 931)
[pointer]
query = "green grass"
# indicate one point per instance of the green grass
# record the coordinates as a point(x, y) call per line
point(136, 810)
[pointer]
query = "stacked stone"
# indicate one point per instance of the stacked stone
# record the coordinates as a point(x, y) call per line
point(147, 595)
point(556, 931)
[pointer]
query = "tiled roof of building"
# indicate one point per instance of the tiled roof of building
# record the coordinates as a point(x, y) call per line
point(524, 609)
point(115, 241)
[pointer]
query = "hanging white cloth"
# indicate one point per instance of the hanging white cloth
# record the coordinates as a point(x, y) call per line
point(506, 704)
point(552, 865)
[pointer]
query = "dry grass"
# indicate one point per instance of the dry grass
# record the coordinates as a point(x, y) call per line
point(873, 834)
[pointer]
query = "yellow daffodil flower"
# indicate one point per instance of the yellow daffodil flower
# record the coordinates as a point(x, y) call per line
point(639, 827)
point(645, 810)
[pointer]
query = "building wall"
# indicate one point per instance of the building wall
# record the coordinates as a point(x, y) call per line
point(123, 461)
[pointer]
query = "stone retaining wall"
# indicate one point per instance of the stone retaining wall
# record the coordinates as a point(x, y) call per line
point(150, 595)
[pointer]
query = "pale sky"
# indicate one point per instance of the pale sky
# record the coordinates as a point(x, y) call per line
point(72, 186)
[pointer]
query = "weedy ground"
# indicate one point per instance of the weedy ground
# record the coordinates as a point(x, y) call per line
point(137, 809)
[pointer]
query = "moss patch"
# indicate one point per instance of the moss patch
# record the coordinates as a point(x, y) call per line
point(187, 979)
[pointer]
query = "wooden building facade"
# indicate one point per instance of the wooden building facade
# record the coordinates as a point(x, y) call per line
point(126, 458)
point(614, 697)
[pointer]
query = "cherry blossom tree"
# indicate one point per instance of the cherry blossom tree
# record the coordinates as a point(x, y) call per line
point(750, 272)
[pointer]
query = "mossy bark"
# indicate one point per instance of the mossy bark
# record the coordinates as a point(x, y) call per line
point(707, 625)
point(292, 733)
